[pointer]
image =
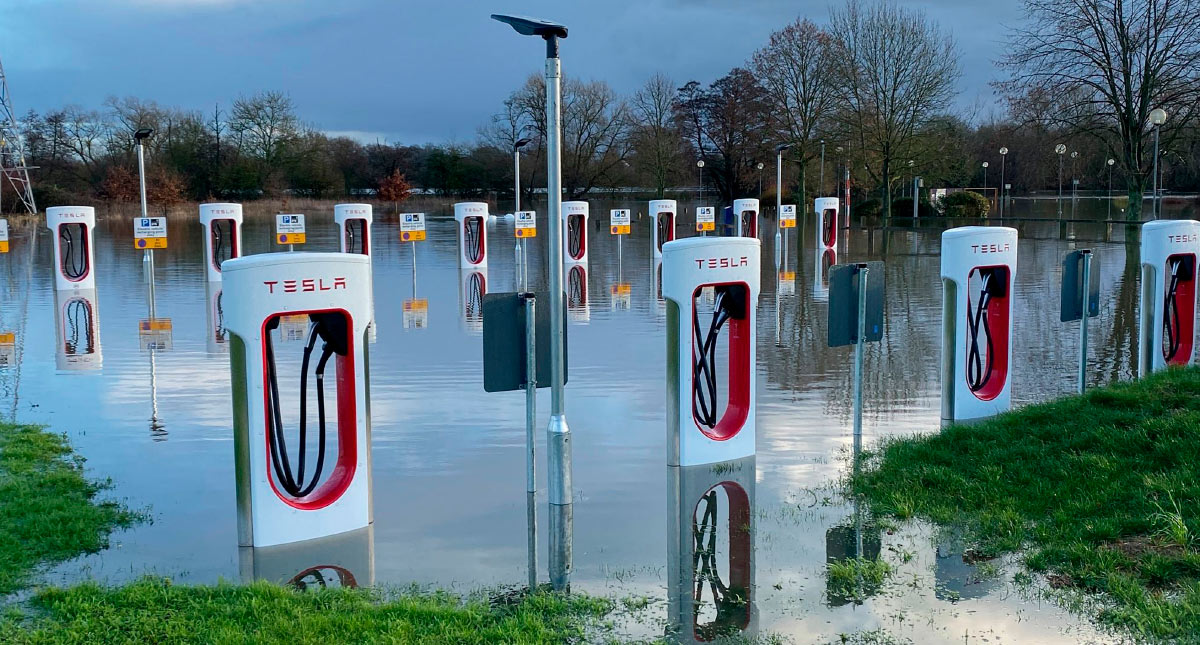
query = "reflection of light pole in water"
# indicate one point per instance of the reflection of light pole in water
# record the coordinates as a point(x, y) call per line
point(558, 433)
point(156, 427)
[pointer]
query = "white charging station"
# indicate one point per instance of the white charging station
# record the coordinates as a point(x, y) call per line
point(222, 236)
point(663, 213)
point(277, 503)
point(77, 321)
point(473, 286)
point(471, 223)
point(575, 232)
point(826, 209)
point(979, 271)
point(1167, 322)
point(354, 228)
point(746, 212)
point(710, 552)
point(700, 428)
point(73, 228)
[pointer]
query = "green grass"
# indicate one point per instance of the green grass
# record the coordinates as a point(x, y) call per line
point(155, 611)
point(856, 579)
point(49, 512)
point(1100, 491)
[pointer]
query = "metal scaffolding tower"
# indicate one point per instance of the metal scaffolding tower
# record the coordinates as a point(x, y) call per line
point(12, 152)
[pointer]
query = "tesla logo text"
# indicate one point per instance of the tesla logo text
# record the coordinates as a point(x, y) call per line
point(306, 285)
point(991, 248)
point(722, 263)
point(1182, 239)
point(222, 211)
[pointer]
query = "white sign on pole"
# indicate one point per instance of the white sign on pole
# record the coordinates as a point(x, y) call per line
point(150, 232)
point(3, 236)
point(706, 218)
point(289, 229)
point(787, 216)
point(526, 224)
point(620, 219)
point(412, 227)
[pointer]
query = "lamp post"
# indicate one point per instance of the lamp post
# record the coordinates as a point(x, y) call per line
point(1003, 186)
point(1158, 116)
point(760, 169)
point(985, 167)
point(821, 188)
point(148, 255)
point(558, 433)
point(700, 178)
point(523, 263)
point(911, 165)
point(779, 192)
point(1061, 150)
point(1111, 162)
point(1074, 179)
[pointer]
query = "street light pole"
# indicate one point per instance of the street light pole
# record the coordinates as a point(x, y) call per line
point(1110, 166)
point(760, 169)
point(779, 190)
point(1060, 149)
point(148, 254)
point(522, 250)
point(1074, 181)
point(821, 190)
point(700, 178)
point(1003, 186)
point(558, 433)
point(1158, 116)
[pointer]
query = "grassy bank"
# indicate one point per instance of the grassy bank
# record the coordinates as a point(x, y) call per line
point(1100, 492)
point(50, 513)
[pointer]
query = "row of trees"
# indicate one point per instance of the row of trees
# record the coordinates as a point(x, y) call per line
point(872, 92)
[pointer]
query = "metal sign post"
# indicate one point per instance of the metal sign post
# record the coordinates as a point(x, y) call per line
point(856, 318)
point(1081, 299)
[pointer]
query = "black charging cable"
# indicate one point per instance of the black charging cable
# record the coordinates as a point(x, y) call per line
point(331, 328)
point(977, 375)
point(471, 238)
point(664, 229)
point(218, 242)
point(827, 224)
point(704, 373)
point(748, 224)
point(1171, 328)
point(74, 268)
point(351, 239)
point(575, 236)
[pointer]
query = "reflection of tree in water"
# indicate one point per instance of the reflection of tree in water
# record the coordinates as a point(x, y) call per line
point(731, 601)
point(323, 578)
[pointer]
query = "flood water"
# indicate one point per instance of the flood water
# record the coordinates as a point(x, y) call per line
point(449, 496)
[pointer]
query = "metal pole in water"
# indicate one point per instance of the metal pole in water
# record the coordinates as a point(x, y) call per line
point(860, 339)
point(530, 422)
point(1083, 320)
point(149, 253)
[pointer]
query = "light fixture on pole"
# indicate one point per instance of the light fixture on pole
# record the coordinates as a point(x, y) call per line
point(1158, 116)
point(700, 178)
point(1060, 150)
point(558, 433)
point(1111, 162)
point(1003, 186)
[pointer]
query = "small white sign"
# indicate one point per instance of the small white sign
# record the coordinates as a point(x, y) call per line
point(288, 224)
point(526, 223)
point(621, 217)
point(412, 227)
point(145, 228)
point(706, 218)
point(787, 216)
point(3, 236)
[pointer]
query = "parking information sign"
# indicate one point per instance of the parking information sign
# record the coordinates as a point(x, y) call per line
point(150, 232)
point(412, 227)
point(706, 218)
point(3, 236)
point(526, 224)
point(620, 221)
point(289, 229)
point(787, 216)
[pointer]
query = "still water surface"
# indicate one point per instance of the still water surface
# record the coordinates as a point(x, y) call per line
point(450, 508)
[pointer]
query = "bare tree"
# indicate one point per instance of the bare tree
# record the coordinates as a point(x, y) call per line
point(896, 70)
point(1105, 65)
point(794, 67)
point(264, 125)
point(657, 141)
point(728, 124)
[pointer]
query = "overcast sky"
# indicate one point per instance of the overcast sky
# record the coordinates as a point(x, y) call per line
point(408, 71)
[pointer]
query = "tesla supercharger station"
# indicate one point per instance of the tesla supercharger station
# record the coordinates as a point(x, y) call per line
point(662, 212)
point(746, 211)
point(222, 236)
point(979, 267)
point(575, 232)
point(710, 411)
point(354, 228)
point(471, 222)
point(1167, 323)
point(289, 490)
point(710, 552)
point(77, 322)
point(827, 222)
point(73, 228)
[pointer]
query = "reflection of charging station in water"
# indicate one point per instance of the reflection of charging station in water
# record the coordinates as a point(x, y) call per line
point(345, 560)
point(575, 232)
point(217, 335)
point(746, 212)
point(710, 552)
point(710, 410)
point(825, 259)
point(471, 291)
point(662, 229)
point(222, 236)
point(578, 309)
point(1167, 324)
point(827, 222)
point(283, 493)
point(471, 222)
point(73, 228)
point(978, 273)
point(354, 228)
point(77, 318)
